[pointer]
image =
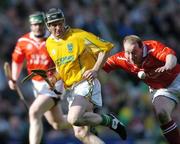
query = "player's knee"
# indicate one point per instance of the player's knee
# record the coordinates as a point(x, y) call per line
point(163, 116)
point(73, 120)
point(34, 112)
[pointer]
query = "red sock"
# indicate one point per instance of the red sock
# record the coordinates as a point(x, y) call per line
point(171, 132)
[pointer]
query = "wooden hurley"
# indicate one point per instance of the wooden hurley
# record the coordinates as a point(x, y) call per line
point(7, 71)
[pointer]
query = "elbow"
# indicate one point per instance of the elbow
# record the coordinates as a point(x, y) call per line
point(174, 61)
point(171, 61)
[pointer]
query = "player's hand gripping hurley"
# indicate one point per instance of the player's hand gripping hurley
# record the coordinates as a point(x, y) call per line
point(43, 74)
point(8, 73)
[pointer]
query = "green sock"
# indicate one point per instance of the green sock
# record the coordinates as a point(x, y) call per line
point(106, 120)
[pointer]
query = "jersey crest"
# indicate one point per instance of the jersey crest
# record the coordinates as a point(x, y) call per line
point(70, 47)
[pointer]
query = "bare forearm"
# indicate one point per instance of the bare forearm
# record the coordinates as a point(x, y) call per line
point(100, 61)
point(16, 70)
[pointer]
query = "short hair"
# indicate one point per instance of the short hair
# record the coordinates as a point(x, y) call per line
point(133, 39)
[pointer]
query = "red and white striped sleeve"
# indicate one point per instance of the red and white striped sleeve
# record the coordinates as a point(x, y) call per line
point(161, 51)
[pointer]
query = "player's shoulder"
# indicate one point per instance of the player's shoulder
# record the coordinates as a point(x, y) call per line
point(24, 37)
point(78, 32)
point(151, 42)
point(118, 55)
point(153, 45)
point(121, 53)
point(49, 40)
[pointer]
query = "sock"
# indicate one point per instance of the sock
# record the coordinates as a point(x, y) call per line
point(106, 120)
point(171, 132)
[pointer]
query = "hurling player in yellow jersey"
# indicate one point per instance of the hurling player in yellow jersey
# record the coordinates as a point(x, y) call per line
point(78, 56)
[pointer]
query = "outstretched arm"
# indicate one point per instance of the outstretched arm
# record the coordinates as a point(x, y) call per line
point(171, 62)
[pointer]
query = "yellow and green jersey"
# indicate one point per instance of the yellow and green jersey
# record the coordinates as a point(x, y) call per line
point(75, 53)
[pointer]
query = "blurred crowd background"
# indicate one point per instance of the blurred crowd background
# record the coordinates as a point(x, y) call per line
point(122, 94)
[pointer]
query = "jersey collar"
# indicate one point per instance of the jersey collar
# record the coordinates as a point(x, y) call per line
point(144, 51)
point(66, 33)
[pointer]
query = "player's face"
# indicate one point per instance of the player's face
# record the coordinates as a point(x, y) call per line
point(38, 29)
point(133, 53)
point(57, 28)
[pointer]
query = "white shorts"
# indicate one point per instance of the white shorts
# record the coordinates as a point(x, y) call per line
point(172, 91)
point(90, 90)
point(42, 88)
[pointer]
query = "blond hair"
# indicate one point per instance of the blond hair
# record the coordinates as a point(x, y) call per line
point(133, 39)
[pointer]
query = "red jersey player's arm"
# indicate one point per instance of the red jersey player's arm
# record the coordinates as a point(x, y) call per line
point(109, 65)
point(16, 70)
point(18, 57)
point(167, 55)
point(171, 61)
point(161, 51)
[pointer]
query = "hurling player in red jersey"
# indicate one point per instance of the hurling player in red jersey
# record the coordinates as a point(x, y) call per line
point(160, 71)
point(31, 47)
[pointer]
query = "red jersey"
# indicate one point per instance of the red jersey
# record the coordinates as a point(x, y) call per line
point(34, 52)
point(155, 57)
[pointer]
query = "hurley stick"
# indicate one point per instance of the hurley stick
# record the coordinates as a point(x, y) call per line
point(7, 71)
point(43, 74)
